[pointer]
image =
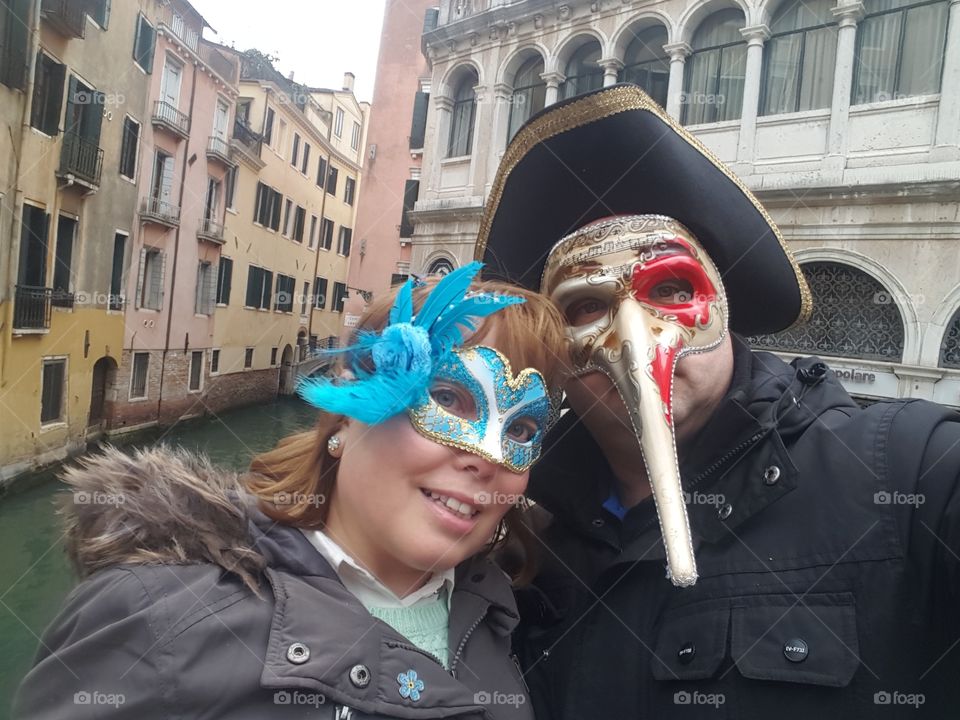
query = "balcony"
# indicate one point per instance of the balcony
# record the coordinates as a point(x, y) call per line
point(167, 117)
point(210, 230)
point(247, 143)
point(219, 151)
point(31, 308)
point(80, 160)
point(67, 17)
point(160, 212)
point(61, 299)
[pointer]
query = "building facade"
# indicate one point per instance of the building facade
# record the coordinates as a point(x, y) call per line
point(843, 118)
point(282, 277)
point(70, 92)
point(391, 164)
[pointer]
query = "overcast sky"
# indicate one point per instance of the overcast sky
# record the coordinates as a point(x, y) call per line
point(318, 39)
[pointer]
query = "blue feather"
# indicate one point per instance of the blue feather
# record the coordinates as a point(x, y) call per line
point(448, 330)
point(402, 310)
point(371, 400)
point(449, 290)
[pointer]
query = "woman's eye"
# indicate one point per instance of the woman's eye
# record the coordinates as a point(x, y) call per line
point(455, 401)
point(672, 292)
point(522, 430)
point(585, 311)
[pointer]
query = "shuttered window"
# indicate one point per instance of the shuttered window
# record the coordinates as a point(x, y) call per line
point(411, 191)
point(259, 288)
point(285, 289)
point(326, 234)
point(206, 289)
point(144, 44)
point(421, 103)
point(339, 294)
point(150, 282)
point(224, 281)
point(320, 293)
point(129, 148)
point(196, 370)
point(138, 378)
point(47, 95)
point(52, 393)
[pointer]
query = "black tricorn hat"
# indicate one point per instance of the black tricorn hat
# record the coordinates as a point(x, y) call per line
point(616, 152)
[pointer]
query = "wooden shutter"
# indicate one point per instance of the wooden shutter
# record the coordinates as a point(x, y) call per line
point(418, 128)
point(267, 289)
point(411, 191)
point(277, 203)
point(140, 277)
point(161, 274)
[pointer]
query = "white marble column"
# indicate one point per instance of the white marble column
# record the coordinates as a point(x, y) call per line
point(947, 143)
point(611, 70)
point(756, 36)
point(848, 15)
point(553, 80)
point(502, 106)
point(678, 52)
point(443, 107)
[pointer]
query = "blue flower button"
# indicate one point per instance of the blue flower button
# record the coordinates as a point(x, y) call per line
point(410, 685)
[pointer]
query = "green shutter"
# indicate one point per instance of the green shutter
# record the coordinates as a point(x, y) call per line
point(418, 129)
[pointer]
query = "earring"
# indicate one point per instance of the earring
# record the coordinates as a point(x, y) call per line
point(333, 444)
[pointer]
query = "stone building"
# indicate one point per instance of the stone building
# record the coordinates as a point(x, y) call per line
point(844, 118)
point(71, 94)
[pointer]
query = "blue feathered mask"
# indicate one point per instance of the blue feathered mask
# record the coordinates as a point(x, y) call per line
point(406, 354)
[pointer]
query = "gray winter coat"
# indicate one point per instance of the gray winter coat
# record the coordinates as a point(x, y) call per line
point(196, 605)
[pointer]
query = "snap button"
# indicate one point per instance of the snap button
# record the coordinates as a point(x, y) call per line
point(771, 475)
point(360, 676)
point(298, 653)
point(686, 653)
point(725, 511)
point(477, 578)
point(796, 650)
point(597, 522)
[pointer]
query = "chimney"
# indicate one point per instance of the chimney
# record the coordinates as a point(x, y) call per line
point(290, 76)
point(348, 78)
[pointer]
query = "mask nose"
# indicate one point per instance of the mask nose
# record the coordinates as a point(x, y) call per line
point(643, 373)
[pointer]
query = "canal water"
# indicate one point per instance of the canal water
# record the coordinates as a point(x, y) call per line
point(34, 574)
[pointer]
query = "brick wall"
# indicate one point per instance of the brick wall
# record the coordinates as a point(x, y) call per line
point(241, 388)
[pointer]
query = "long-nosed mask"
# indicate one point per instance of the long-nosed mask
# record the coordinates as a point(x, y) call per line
point(639, 293)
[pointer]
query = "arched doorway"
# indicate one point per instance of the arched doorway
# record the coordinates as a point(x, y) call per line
point(102, 390)
point(440, 266)
point(287, 372)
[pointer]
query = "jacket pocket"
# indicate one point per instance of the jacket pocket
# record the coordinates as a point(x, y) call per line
point(811, 639)
point(692, 641)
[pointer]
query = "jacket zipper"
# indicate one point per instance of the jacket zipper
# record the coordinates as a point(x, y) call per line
point(463, 644)
point(727, 457)
point(414, 648)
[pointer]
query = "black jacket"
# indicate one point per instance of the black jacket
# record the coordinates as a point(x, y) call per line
point(199, 606)
point(827, 540)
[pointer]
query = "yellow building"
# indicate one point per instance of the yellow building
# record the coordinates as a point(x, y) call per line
point(288, 232)
point(72, 100)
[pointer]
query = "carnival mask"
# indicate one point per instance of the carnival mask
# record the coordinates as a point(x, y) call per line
point(639, 293)
point(477, 404)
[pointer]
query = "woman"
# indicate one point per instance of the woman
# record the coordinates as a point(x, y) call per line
point(346, 576)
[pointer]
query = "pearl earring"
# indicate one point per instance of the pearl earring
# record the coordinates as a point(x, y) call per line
point(333, 444)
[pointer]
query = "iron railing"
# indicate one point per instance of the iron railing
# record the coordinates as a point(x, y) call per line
point(243, 134)
point(218, 149)
point(167, 115)
point(160, 211)
point(31, 307)
point(81, 158)
point(210, 229)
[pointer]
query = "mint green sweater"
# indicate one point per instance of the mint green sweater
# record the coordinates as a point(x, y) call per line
point(425, 624)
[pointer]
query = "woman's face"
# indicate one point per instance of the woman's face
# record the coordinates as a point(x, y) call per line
point(391, 508)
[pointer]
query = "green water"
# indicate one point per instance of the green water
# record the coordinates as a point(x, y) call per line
point(34, 574)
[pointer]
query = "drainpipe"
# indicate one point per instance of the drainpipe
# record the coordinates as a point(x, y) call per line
point(176, 245)
point(316, 250)
point(16, 217)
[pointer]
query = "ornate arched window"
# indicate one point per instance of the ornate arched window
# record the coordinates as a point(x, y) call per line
point(799, 58)
point(646, 62)
point(461, 123)
point(529, 94)
point(900, 46)
point(440, 266)
point(716, 69)
point(950, 347)
point(583, 71)
point(854, 316)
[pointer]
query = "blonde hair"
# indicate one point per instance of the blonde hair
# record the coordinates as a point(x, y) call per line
point(300, 469)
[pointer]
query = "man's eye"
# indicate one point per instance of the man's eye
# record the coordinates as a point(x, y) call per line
point(672, 292)
point(522, 430)
point(585, 311)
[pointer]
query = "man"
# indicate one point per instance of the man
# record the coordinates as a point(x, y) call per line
point(731, 536)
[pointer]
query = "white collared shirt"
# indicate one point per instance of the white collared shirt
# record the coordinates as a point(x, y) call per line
point(365, 587)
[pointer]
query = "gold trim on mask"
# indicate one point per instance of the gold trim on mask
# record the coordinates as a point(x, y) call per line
point(596, 107)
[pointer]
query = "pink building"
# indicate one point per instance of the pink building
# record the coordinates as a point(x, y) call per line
point(391, 168)
point(185, 175)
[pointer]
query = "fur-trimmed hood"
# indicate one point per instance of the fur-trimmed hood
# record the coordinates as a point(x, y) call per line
point(158, 506)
